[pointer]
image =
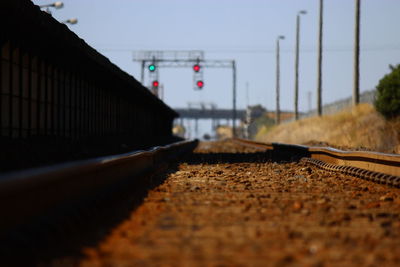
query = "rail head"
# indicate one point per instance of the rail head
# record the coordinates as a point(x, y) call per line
point(371, 161)
point(25, 194)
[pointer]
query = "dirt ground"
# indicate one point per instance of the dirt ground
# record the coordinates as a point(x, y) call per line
point(252, 213)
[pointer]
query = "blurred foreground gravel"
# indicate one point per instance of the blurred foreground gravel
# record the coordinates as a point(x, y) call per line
point(217, 213)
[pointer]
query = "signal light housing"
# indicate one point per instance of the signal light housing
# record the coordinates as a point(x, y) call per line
point(155, 84)
point(152, 67)
point(200, 84)
point(196, 68)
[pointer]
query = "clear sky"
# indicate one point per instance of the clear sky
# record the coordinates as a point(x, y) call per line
point(244, 30)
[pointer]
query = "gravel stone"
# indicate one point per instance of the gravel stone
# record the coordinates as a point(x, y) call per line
point(224, 209)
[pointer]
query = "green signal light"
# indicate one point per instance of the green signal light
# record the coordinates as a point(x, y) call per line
point(152, 67)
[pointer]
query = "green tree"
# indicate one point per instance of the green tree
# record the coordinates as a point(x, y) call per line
point(388, 94)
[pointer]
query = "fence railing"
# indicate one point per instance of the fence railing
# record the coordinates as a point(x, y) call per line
point(53, 84)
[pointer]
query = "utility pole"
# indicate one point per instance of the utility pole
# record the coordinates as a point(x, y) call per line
point(142, 72)
point(356, 85)
point(296, 65)
point(247, 94)
point(234, 98)
point(319, 81)
point(278, 112)
point(247, 116)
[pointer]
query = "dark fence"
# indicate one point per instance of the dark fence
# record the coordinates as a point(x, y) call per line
point(53, 84)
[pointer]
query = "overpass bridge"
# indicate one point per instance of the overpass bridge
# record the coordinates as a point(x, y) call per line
point(227, 114)
point(214, 114)
point(201, 111)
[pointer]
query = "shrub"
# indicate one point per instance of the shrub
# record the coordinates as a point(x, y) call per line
point(388, 94)
point(262, 122)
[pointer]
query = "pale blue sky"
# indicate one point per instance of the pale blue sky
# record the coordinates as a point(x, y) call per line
point(244, 30)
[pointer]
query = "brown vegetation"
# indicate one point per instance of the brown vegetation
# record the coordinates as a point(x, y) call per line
point(361, 128)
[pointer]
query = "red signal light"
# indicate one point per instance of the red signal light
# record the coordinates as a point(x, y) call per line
point(156, 84)
point(196, 68)
point(200, 84)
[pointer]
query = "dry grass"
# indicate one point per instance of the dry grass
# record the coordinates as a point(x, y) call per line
point(360, 127)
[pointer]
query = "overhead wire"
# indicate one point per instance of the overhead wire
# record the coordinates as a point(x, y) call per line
point(249, 50)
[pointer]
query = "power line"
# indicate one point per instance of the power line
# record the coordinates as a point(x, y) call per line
point(271, 51)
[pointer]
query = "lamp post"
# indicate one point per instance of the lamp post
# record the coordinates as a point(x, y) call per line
point(71, 21)
point(296, 66)
point(234, 98)
point(278, 115)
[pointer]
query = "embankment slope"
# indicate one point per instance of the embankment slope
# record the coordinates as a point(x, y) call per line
point(360, 127)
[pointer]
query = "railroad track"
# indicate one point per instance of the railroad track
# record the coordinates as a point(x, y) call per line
point(371, 166)
point(236, 205)
point(36, 199)
point(229, 198)
point(25, 194)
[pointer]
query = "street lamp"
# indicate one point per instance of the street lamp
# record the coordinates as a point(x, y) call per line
point(56, 5)
point(71, 21)
point(278, 116)
point(296, 65)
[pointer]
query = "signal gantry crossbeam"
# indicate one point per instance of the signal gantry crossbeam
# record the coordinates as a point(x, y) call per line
point(189, 63)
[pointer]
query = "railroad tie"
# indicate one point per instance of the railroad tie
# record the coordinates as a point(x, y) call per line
point(371, 176)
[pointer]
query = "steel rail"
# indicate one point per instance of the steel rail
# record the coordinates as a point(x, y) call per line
point(373, 166)
point(26, 195)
